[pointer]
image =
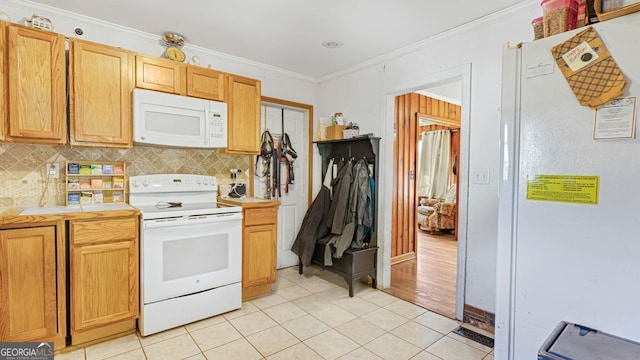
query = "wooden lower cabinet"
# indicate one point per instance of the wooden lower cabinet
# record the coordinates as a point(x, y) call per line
point(259, 245)
point(32, 284)
point(104, 275)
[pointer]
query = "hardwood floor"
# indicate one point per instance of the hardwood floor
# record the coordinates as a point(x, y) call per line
point(429, 281)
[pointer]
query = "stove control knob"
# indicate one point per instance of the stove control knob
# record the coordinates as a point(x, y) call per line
point(145, 182)
point(205, 181)
point(198, 181)
point(136, 182)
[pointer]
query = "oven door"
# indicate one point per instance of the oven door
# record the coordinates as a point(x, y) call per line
point(185, 255)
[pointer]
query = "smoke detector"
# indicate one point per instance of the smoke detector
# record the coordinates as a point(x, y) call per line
point(332, 44)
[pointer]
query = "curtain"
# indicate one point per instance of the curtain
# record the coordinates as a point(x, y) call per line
point(433, 171)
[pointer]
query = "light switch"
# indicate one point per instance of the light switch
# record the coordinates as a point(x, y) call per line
point(480, 176)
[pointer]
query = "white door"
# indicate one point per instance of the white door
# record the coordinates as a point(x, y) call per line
point(294, 202)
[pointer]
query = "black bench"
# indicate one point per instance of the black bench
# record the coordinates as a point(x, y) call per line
point(354, 264)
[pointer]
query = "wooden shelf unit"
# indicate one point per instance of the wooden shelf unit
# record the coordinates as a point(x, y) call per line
point(76, 184)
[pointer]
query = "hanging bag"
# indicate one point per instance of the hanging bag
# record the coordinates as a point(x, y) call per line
point(290, 155)
point(266, 153)
point(265, 159)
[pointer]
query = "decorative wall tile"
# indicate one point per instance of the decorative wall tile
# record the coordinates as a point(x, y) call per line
point(22, 175)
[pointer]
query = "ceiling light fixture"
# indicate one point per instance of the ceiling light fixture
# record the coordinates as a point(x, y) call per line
point(332, 44)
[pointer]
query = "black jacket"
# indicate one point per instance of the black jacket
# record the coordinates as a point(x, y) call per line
point(313, 226)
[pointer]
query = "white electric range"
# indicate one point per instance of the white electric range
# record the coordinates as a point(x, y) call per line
point(190, 252)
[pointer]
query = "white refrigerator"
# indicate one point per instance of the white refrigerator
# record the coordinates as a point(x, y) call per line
point(565, 260)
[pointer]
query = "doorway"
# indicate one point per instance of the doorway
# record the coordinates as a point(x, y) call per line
point(295, 119)
point(406, 201)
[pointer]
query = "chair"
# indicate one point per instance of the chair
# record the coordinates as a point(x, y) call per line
point(425, 209)
point(444, 213)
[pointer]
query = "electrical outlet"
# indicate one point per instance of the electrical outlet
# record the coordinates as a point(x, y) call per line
point(53, 170)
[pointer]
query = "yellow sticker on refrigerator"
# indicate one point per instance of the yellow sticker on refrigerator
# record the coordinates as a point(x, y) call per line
point(576, 189)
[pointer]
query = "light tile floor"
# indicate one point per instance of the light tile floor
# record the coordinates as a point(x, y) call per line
point(308, 316)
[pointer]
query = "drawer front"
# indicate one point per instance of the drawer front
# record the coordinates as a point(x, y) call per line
point(97, 231)
point(260, 216)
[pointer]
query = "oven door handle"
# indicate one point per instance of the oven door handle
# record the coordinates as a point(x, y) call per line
point(191, 220)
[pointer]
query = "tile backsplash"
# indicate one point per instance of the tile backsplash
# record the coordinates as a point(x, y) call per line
point(22, 167)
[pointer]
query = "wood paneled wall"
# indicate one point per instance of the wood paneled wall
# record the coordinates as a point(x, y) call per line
point(438, 108)
point(407, 133)
point(403, 213)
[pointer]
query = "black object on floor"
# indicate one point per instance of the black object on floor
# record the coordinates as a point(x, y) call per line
point(472, 335)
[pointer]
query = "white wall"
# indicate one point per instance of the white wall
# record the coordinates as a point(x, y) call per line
point(361, 96)
point(276, 82)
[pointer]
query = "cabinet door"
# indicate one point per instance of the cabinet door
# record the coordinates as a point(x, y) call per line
point(205, 83)
point(104, 272)
point(161, 75)
point(244, 115)
point(101, 80)
point(28, 284)
point(37, 86)
point(259, 255)
point(3, 99)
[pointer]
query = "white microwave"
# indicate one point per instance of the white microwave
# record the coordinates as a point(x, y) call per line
point(178, 121)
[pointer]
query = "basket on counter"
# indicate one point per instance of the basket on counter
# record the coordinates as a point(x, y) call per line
point(350, 133)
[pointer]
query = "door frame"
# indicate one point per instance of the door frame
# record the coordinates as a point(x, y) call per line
point(308, 111)
point(463, 73)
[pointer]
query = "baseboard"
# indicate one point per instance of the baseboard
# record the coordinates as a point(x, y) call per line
point(404, 257)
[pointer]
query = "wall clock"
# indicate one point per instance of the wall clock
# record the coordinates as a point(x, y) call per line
point(175, 54)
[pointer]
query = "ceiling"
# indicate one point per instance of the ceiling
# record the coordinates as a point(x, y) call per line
point(288, 34)
point(450, 92)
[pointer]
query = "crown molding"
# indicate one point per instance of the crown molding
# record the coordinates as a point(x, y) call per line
point(31, 5)
point(526, 4)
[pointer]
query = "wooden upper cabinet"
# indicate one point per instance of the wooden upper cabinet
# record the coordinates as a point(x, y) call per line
point(36, 86)
point(161, 75)
point(3, 99)
point(205, 83)
point(177, 78)
point(244, 115)
point(101, 80)
point(28, 306)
